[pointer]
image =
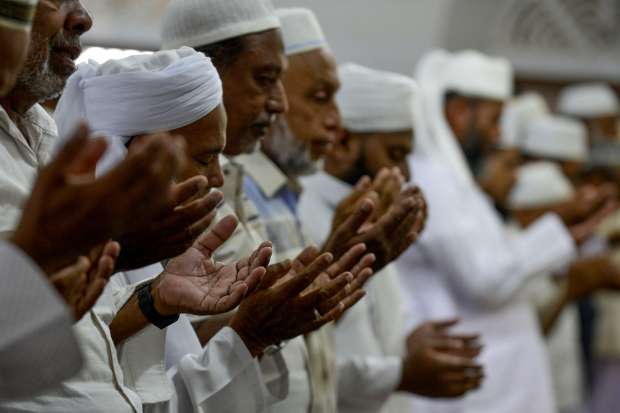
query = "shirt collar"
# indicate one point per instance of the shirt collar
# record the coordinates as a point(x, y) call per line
point(269, 178)
point(332, 189)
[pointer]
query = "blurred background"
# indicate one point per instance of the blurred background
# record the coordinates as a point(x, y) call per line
point(550, 42)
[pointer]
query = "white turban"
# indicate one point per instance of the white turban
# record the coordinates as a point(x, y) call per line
point(517, 115)
point(590, 100)
point(556, 137)
point(196, 23)
point(375, 101)
point(301, 31)
point(139, 94)
point(540, 184)
point(468, 73)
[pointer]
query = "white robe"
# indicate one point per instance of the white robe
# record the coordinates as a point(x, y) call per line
point(369, 338)
point(468, 264)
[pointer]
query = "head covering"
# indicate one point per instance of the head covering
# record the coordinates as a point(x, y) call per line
point(540, 184)
point(139, 94)
point(517, 114)
point(468, 73)
point(301, 31)
point(196, 23)
point(588, 100)
point(375, 101)
point(556, 137)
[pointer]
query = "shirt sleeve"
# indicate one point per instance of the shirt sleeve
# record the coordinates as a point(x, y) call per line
point(483, 260)
point(37, 346)
point(225, 377)
point(366, 377)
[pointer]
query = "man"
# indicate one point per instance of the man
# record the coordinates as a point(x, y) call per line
point(15, 23)
point(243, 40)
point(192, 108)
point(463, 270)
point(377, 115)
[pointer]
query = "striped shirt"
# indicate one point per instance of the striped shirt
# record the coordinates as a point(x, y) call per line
point(17, 14)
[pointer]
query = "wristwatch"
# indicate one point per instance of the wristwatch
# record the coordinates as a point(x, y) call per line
point(147, 306)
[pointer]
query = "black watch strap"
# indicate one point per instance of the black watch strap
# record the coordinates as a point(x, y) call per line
point(145, 301)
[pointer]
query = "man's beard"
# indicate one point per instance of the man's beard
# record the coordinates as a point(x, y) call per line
point(37, 77)
point(293, 156)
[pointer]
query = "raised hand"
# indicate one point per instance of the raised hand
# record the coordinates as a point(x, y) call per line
point(188, 216)
point(282, 307)
point(389, 236)
point(82, 283)
point(193, 283)
point(70, 211)
point(441, 365)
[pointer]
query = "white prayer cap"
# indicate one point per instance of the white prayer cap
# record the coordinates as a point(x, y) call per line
point(540, 184)
point(301, 30)
point(375, 101)
point(139, 94)
point(196, 23)
point(472, 73)
point(588, 100)
point(556, 137)
point(517, 115)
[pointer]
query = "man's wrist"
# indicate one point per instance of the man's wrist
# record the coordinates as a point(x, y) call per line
point(158, 304)
point(254, 348)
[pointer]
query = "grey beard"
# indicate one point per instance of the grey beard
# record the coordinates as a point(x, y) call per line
point(292, 156)
point(37, 78)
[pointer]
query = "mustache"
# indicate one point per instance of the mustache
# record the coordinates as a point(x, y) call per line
point(60, 41)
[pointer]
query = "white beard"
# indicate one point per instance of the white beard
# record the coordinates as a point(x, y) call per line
point(293, 156)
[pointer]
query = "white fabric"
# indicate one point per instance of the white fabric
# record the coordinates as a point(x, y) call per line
point(210, 378)
point(375, 101)
point(540, 184)
point(468, 73)
point(369, 338)
point(21, 155)
point(516, 116)
point(139, 94)
point(556, 137)
point(196, 23)
point(103, 384)
point(458, 269)
point(301, 31)
point(588, 100)
point(37, 347)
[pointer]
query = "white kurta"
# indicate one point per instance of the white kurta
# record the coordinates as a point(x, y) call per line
point(37, 346)
point(210, 379)
point(369, 338)
point(467, 264)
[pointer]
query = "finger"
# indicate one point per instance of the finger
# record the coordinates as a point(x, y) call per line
point(232, 300)
point(337, 312)
point(218, 235)
point(366, 262)
point(73, 149)
point(86, 162)
point(193, 213)
point(69, 275)
point(305, 258)
point(305, 278)
point(362, 278)
point(253, 280)
point(445, 324)
point(347, 261)
point(322, 297)
point(262, 256)
point(349, 228)
point(274, 273)
point(188, 189)
point(93, 292)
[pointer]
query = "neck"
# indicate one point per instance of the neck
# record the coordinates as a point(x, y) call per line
point(17, 102)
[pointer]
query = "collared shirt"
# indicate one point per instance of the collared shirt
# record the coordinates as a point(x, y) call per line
point(310, 361)
point(467, 264)
point(17, 14)
point(37, 346)
point(369, 338)
point(21, 155)
point(100, 385)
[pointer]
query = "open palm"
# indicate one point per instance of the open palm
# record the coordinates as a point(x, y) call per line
point(194, 284)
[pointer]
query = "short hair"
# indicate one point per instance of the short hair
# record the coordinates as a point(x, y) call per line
point(225, 52)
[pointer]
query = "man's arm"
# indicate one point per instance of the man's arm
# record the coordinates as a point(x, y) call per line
point(37, 347)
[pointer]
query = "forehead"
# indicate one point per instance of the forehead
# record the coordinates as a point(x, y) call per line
point(313, 67)
point(264, 49)
point(208, 132)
